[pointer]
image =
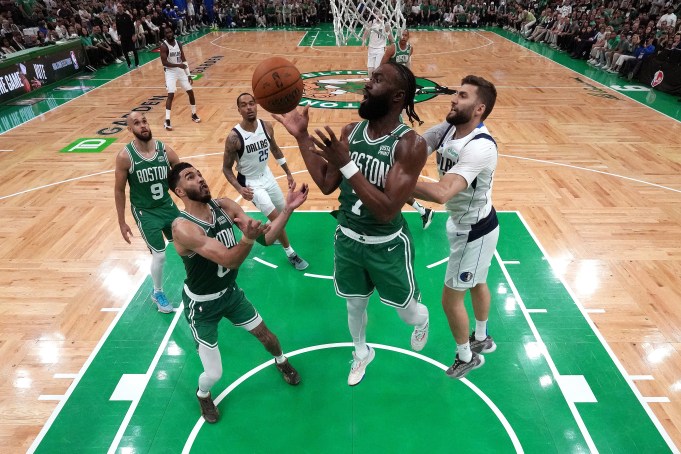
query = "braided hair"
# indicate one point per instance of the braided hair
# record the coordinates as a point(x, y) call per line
point(409, 86)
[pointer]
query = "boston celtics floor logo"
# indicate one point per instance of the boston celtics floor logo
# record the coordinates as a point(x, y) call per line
point(342, 89)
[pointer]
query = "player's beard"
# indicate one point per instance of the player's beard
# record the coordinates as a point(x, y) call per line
point(143, 138)
point(460, 117)
point(374, 107)
point(195, 195)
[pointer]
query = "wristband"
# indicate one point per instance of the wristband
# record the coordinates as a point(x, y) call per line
point(349, 169)
point(186, 70)
point(281, 161)
point(247, 240)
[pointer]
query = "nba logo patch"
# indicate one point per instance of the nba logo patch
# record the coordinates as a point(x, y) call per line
point(466, 276)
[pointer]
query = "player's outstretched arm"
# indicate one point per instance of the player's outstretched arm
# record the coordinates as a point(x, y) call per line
point(189, 237)
point(389, 52)
point(294, 199)
point(327, 177)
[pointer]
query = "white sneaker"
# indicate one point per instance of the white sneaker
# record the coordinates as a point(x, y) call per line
point(419, 338)
point(359, 367)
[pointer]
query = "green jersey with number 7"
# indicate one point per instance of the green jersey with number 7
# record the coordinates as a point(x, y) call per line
point(374, 158)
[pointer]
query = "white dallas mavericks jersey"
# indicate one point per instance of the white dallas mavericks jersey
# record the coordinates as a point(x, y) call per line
point(377, 35)
point(474, 157)
point(252, 161)
point(174, 53)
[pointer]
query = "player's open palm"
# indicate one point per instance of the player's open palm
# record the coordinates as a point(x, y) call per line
point(296, 198)
point(295, 121)
point(251, 228)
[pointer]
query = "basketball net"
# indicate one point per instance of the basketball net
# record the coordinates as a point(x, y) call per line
point(352, 17)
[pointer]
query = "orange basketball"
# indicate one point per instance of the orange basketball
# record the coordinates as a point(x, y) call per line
point(277, 85)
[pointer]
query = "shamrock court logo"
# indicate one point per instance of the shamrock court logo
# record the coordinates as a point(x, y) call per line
point(342, 89)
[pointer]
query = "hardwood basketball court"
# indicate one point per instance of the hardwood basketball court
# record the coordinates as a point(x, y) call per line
point(594, 178)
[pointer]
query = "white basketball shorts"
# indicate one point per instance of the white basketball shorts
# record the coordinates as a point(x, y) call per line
point(468, 262)
point(174, 75)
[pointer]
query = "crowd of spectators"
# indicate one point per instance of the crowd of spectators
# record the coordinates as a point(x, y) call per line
point(613, 35)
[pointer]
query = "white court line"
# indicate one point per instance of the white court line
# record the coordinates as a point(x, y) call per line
point(271, 265)
point(59, 397)
point(554, 370)
point(318, 276)
point(110, 309)
point(511, 262)
point(536, 311)
point(75, 382)
point(439, 262)
point(586, 77)
point(659, 400)
point(600, 337)
point(65, 376)
point(641, 377)
point(595, 311)
point(636, 180)
point(5, 151)
point(504, 422)
point(133, 406)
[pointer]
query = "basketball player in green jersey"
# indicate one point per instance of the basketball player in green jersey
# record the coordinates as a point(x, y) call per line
point(204, 238)
point(144, 164)
point(376, 164)
point(401, 53)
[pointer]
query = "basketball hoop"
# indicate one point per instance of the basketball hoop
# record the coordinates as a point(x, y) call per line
point(351, 17)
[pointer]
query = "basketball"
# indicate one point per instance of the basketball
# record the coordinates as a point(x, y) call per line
point(277, 85)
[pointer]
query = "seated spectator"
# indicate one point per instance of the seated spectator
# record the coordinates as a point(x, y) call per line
point(6, 48)
point(106, 51)
point(115, 44)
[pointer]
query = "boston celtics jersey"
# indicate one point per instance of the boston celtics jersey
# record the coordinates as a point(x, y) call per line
point(374, 158)
point(205, 277)
point(148, 177)
point(401, 56)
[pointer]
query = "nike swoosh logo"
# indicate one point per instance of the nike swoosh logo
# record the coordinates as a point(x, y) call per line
point(392, 248)
point(461, 234)
point(247, 137)
point(354, 142)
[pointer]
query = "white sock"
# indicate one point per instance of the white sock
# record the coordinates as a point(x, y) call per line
point(480, 330)
point(202, 394)
point(418, 207)
point(464, 352)
point(158, 259)
point(280, 359)
point(357, 322)
point(289, 251)
point(193, 106)
point(168, 114)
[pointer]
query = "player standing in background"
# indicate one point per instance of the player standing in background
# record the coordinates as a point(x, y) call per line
point(144, 164)
point(249, 144)
point(467, 159)
point(176, 69)
point(205, 240)
point(375, 36)
point(376, 164)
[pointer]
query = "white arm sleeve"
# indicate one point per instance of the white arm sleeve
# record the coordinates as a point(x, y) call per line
point(434, 135)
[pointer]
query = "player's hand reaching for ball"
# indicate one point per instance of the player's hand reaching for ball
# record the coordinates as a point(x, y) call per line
point(296, 198)
point(251, 228)
point(295, 121)
point(334, 151)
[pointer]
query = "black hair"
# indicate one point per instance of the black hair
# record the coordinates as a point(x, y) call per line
point(174, 174)
point(409, 87)
point(487, 92)
point(238, 98)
